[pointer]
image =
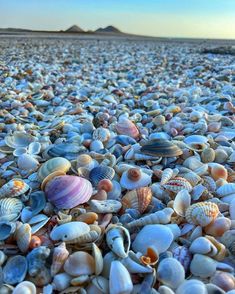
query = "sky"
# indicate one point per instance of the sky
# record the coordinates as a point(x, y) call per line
point(161, 18)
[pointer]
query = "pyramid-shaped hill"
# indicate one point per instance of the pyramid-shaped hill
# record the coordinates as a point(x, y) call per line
point(109, 29)
point(74, 29)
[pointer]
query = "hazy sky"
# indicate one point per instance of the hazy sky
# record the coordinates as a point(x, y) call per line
point(166, 18)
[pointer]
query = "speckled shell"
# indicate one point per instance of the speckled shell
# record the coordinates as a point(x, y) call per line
point(52, 165)
point(177, 184)
point(127, 127)
point(202, 213)
point(183, 255)
point(161, 148)
point(10, 208)
point(66, 192)
point(13, 188)
point(138, 199)
point(101, 172)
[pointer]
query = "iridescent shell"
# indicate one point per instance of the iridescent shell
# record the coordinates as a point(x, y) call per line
point(202, 213)
point(52, 165)
point(10, 209)
point(138, 199)
point(161, 148)
point(127, 127)
point(66, 192)
point(101, 172)
point(177, 184)
point(183, 255)
point(13, 188)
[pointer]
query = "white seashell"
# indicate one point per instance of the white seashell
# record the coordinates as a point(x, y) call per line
point(203, 266)
point(61, 281)
point(19, 151)
point(96, 145)
point(97, 255)
point(128, 184)
point(105, 206)
point(192, 163)
point(23, 237)
point(192, 287)
point(226, 190)
point(118, 240)
point(133, 265)
point(34, 148)
point(182, 202)
point(25, 287)
point(79, 263)
point(202, 245)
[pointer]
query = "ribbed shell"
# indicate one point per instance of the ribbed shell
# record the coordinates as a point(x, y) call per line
point(162, 148)
point(166, 175)
point(177, 184)
point(52, 165)
point(138, 199)
point(226, 189)
point(183, 255)
point(60, 255)
point(101, 172)
point(202, 213)
point(10, 208)
point(67, 150)
point(13, 188)
point(127, 127)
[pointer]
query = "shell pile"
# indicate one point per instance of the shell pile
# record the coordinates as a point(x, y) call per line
point(116, 167)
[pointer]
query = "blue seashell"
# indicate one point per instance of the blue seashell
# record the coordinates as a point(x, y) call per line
point(15, 270)
point(6, 229)
point(37, 202)
point(125, 140)
point(67, 150)
point(37, 259)
point(101, 172)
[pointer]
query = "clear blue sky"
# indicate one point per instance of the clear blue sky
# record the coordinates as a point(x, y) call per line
point(168, 18)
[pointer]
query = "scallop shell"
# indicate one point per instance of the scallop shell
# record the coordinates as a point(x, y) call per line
point(177, 184)
point(79, 263)
point(19, 139)
point(15, 270)
point(138, 199)
point(127, 127)
point(101, 172)
point(10, 209)
point(66, 192)
point(202, 213)
point(192, 178)
point(162, 148)
point(60, 255)
point(13, 188)
point(25, 287)
point(142, 180)
point(226, 189)
point(52, 165)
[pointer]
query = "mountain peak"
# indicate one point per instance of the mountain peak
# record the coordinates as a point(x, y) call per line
point(108, 29)
point(75, 29)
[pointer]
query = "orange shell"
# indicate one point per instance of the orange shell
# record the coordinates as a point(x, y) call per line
point(88, 218)
point(134, 174)
point(35, 242)
point(150, 258)
point(106, 185)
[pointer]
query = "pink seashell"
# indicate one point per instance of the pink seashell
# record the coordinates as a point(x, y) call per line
point(127, 127)
point(66, 192)
point(178, 184)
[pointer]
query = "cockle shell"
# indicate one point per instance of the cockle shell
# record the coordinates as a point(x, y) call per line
point(69, 231)
point(79, 263)
point(13, 188)
point(161, 148)
point(60, 255)
point(23, 237)
point(202, 213)
point(25, 287)
point(177, 184)
point(10, 209)
point(15, 270)
point(226, 189)
point(127, 127)
point(137, 199)
point(68, 191)
point(52, 165)
point(101, 172)
point(134, 178)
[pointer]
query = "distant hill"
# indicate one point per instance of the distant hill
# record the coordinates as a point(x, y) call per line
point(74, 29)
point(108, 29)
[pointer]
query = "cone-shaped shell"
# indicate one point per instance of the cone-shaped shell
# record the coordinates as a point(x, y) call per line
point(128, 128)
point(202, 213)
point(161, 148)
point(177, 184)
point(166, 175)
point(131, 183)
point(101, 172)
point(138, 199)
point(13, 188)
point(10, 208)
point(52, 165)
point(15, 270)
point(79, 263)
point(60, 255)
point(66, 192)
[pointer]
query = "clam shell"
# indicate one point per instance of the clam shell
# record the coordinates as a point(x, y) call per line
point(36, 261)
point(23, 237)
point(86, 161)
point(127, 127)
point(25, 287)
point(128, 184)
point(208, 155)
point(138, 199)
point(182, 202)
point(202, 245)
point(66, 150)
point(15, 270)
point(66, 192)
point(226, 189)
point(101, 172)
point(10, 209)
point(218, 227)
point(37, 202)
point(79, 263)
point(6, 229)
point(202, 266)
point(60, 255)
point(162, 148)
point(202, 213)
point(192, 287)
point(13, 188)
point(19, 139)
point(177, 184)
point(27, 162)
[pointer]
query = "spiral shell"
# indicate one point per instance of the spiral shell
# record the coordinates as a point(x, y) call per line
point(13, 188)
point(127, 127)
point(202, 213)
point(177, 184)
point(166, 175)
point(134, 178)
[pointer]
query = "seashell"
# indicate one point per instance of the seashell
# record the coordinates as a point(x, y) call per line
point(61, 281)
point(6, 229)
point(101, 134)
point(192, 287)
point(25, 287)
point(19, 139)
point(100, 283)
point(27, 162)
point(13, 188)
point(170, 272)
point(208, 155)
point(218, 227)
point(158, 237)
point(218, 171)
point(36, 260)
point(162, 148)
point(119, 279)
point(182, 202)
point(134, 178)
point(126, 127)
point(100, 195)
point(151, 257)
point(101, 172)
point(79, 263)
point(221, 250)
point(214, 127)
point(209, 183)
point(88, 218)
point(226, 190)
point(86, 239)
point(220, 156)
point(15, 270)
point(52, 165)
point(183, 255)
point(166, 175)
point(10, 209)
point(223, 280)
point(232, 209)
point(35, 242)
point(202, 266)
point(68, 191)
point(69, 231)
point(211, 288)
point(165, 290)
point(60, 255)
point(202, 213)
point(134, 265)
point(138, 199)
point(177, 184)
point(96, 145)
point(202, 245)
point(97, 255)
point(118, 240)
point(37, 202)
point(192, 163)
point(105, 206)
point(105, 185)
point(228, 239)
point(42, 278)
point(79, 281)
point(159, 217)
point(23, 237)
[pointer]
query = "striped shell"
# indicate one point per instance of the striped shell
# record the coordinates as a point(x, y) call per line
point(202, 213)
point(226, 190)
point(10, 209)
point(13, 188)
point(177, 184)
point(67, 150)
point(138, 199)
point(52, 165)
point(162, 148)
point(66, 192)
point(127, 127)
point(166, 175)
point(101, 172)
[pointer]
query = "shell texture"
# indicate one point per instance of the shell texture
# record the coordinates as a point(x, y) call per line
point(127, 127)
point(161, 148)
point(99, 173)
point(177, 184)
point(10, 209)
point(13, 188)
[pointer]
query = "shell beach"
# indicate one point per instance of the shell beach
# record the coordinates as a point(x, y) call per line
point(117, 166)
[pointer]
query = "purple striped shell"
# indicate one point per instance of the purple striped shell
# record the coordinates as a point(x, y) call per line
point(66, 192)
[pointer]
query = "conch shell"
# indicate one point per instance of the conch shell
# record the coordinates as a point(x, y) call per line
point(60, 255)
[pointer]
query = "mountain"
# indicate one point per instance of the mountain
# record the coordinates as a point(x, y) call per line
point(74, 29)
point(108, 29)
